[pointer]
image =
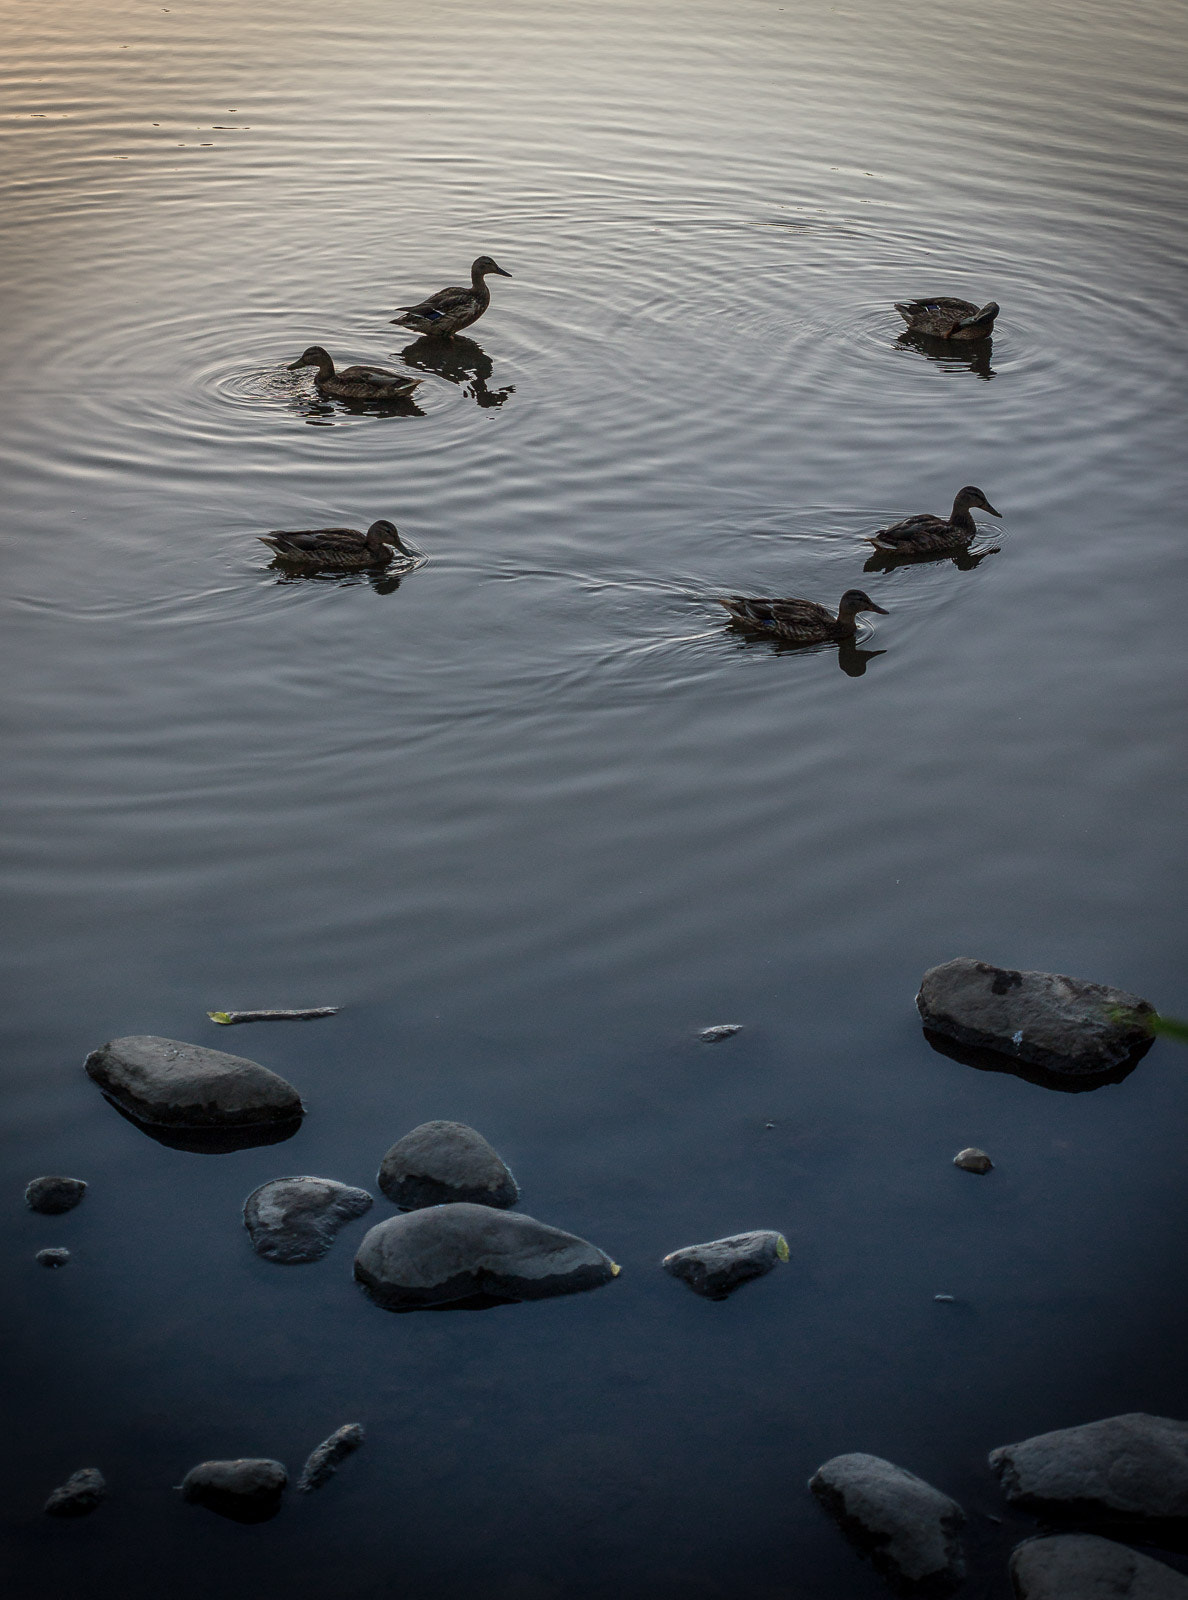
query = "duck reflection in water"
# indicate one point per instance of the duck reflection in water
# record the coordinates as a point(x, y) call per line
point(963, 560)
point(950, 356)
point(459, 360)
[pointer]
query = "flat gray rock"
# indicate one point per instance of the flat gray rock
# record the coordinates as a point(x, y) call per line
point(323, 1462)
point(1080, 1566)
point(456, 1252)
point(80, 1494)
point(294, 1220)
point(1060, 1025)
point(714, 1269)
point(247, 1490)
point(440, 1162)
point(719, 1031)
point(971, 1159)
point(54, 1257)
point(1130, 1468)
point(53, 1196)
point(168, 1084)
point(910, 1531)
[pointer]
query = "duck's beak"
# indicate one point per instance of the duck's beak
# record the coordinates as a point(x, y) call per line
point(986, 506)
point(882, 611)
point(293, 365)
point(501, 272)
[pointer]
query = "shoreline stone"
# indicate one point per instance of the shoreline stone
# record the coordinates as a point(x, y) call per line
point(1082, 1566)
point(440, 1163)
point(54, 1257)
point(445, 1254)
point(972, 1159)
point(248, 1489)
point(52, 1197)
point(1129, 1468)
point(168, 1084)
point(323, 1462)
point(79, 1495)
point(909, 1530)
point(296, 1220)
point(1064, 1026)
point(717, 1268)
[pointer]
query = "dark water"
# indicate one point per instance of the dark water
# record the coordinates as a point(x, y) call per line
point(534, 817)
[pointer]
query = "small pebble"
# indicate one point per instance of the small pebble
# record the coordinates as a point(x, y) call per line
point(722, 1030)
point(81, 1493)
point(52, 1196)
point(945, 1299)
point(972, 1160)
point(53, 1258)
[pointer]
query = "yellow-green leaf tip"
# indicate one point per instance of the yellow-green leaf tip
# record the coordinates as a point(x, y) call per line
point(782, 1248)
point(219, 1016)
point(615, 1269)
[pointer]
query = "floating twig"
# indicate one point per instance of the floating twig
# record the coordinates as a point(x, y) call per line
point(227, 1017)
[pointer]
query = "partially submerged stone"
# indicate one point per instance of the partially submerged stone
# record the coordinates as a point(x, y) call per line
point(972, 1159)
point(1130, 1468)
point(324, 1461)
point(247, 1490)
point(714, 1269)
point(440, 1162)
point(53, 1196)
point(55, 1257)
point(295, 1220)
point(1065, 1027)
point(910, 1531)
point(720, 1031)
point(164, 1084)
point(458, 1252)
point(80, 1494)
point(1080, 1566)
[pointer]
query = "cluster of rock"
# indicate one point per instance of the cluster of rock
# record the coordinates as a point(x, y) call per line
point(1128, 1474)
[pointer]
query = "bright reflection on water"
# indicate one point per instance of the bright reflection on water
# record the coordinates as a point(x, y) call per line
point(534, 815)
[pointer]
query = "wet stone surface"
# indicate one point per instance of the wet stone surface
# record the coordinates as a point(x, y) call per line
point(1081, 1566)
point(440, 1162)
point(54, 1257)
point(323, 1462)
point(1130, 1468)
point(910, 1531)
point(720, 1266)
point(720, 1031)
point(165, 1083)
point(80, 1494)
point(53, 1196)
point(972, 1159)
point(247, 1489)
point(294, 1220)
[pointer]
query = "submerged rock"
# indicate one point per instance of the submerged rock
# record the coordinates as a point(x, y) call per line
point(1130, 1468)
point(53, 1196)
point(323, 1462)
point(910, 1530)
point(714, 1269)
point(1063, 1026)
point(1080, 1566)
point(247, 1490)
point(440, 1162)
point(720, 1031)
point(166, 1084)
point(56, 1257)
point(81, 1493)
point(462, 1251)
point(295, 1219)
point(973, 1160)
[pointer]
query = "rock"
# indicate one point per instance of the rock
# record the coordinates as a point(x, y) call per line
point(52, 1258)
point(1080, 1566)
point(445, 1161)
point(714, 1269)
point(1063, 1026)
point(973, 1160)
point(323, 1462)
point(163, 1083)
point(53, 1196)
point(81, 1493)
point(909, 1529)
point(457, 1252)
point(1133, 1467)
point(295, 1219)
point(247, 1490)
point(720, 1031)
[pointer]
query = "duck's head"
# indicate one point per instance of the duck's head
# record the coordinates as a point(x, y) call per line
point(315, 356)
point(981, 318)
point(971, 496)
point(383, 533)
point(856, 600)
point(485, 264)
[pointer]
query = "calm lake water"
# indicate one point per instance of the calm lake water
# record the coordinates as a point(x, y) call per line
point(534, 816)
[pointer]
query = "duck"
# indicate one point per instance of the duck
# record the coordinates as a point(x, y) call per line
point(926, 535)
point(340, 549)
point(802, 621)
point(449, 310)
point(354, 383)
point(944, 318)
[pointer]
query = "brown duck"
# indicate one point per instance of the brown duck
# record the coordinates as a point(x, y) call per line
point(926, 535)
point(340, 549)
point(449, 310)
point(943, 318)
point(354, 383)
point(801, 621)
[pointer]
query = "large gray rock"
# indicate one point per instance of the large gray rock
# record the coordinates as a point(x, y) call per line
point(455, 1252)
point(323, 1462)
point(1131, 1468)
point(441, 1162)
point(79, 1495)
point(1060, 1025)
point(1080, 1566)
point(165, 1083)
point(714, 1269)
point(910, 1530)
point(295, 1219)
point(53, 1196)
point(247, 1490)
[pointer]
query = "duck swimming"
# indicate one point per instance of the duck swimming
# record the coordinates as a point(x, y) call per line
point(340, 549)
point(926, 535)
point(942, 318)
point(449, 310)
point(354, 383)
point(801, 621)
